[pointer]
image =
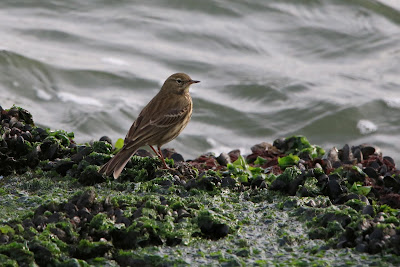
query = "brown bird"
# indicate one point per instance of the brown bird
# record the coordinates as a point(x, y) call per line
point(160, 121)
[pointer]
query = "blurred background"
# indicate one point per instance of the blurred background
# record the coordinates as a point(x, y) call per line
point(326, 69)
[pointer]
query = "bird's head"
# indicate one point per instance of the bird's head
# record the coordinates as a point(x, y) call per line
point(178, 83)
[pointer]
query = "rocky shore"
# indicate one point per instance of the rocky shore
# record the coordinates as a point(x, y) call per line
point(288, 203)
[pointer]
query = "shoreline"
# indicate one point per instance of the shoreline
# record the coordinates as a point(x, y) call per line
point(285, 198)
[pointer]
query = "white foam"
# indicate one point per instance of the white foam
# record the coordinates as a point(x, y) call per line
point(114, 61)
point(392, 102)
point(42, 94)
point(83, 100)
point(366, 127)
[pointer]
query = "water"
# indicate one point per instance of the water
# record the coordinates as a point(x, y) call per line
point(326, 69)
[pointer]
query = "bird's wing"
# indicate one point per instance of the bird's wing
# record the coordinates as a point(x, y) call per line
point(172, 117)
point(141, 133)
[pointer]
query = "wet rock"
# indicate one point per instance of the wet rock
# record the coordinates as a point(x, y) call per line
point(343, 198)
point(43, 256)
point(84, 150)
point(86, 199)
point(215, 230)
point(391, 199)
point(343, 219)
point(172, 154)
point(280, 144)
point(228, 182)
point(4, 239)
point(383, 169)
point(234, 155)
point(362, 247)
point(257, 182)
point(371, 172)
point(91, 176)
point(346, 155)
point(358, 155)
point(70, 209)
point(375, 165)
point(25, 116)
point(63, 166)
point(143, 153)
point(389, 161)
point(27, 136)
point(59, 233)
point(392, 182)
point(365, 226)
point(84, 215)
point(53, 218)
point(369, 150)
point(40, 222)
point(49, 149)
point(369, 209)
point(223, 159)
point(174, 241)
point(336, 164)
point(106, 139)
point(260, 148)
point(137, 214)
point(332, 155)
point(334, 189)
point(183, 213)
point(294, 185)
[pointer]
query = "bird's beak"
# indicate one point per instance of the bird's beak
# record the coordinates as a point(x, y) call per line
point(192, 81)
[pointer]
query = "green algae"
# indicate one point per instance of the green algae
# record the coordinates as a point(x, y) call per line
point(63, 213)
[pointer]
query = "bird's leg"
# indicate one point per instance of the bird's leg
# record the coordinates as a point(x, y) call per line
point(155, 151)
point(162, 158)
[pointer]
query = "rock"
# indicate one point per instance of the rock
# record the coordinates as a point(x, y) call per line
point(376, 246)
point(280, 144)
point(358, 155)
point(171, 154)
point(389, 161)
point(177, 157)
point(4, 239)
point(234, 155)
point(371, 172)
point(383, 169)
point(143, 153)
point(332, 155)
point(375, 165)
point(70, 209)
point(49, 149)
point(362, 247)
point(106, 139)
point(86, 199)
point(183, 213)
point(84, 215)
point(346, 155)
point(59, 233)
point(369, 150)
point(63, 166)
point(334, 189)
point(228, 182)
point(257, 182)
point(391, 182)
point(223, 159)
point(215, 230)
point(368, 209)
point(260, 148)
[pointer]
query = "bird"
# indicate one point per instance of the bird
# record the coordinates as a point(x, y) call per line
point(160, 121)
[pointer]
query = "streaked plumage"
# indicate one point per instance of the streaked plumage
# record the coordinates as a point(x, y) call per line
point(160, 121)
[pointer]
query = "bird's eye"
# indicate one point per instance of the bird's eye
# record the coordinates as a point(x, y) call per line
point(179, 81)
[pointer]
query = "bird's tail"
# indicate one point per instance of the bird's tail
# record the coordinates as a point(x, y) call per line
point(117, 163)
